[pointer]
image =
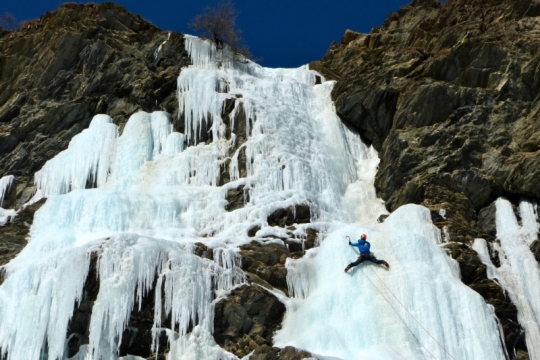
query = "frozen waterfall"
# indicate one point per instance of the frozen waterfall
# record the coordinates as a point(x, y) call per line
point(142, 199)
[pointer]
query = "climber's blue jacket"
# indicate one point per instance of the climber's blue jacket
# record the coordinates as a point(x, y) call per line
point(362, 245)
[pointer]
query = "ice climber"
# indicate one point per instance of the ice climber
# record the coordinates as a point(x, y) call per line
point(363, 246)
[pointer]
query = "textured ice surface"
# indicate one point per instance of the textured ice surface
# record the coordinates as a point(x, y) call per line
point(86, 159)
point(518, 274)
point(143, 199)
point(356, 316)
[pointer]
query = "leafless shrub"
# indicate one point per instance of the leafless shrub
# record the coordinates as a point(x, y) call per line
point(219, 25)
point(8, 21)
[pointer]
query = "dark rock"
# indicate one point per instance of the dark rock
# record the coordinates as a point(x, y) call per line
point(295, 246)
point(252, 231)
point(237, 198)
point(426, 88)
point(292, 353)
point(535, 249)
point(299, 214)
point(137, 336)
point(9, 195)
point(203, 251)
point(486, 221)
point(471, 267)
point(350, 36)
point(267, 262)
point(298, 246)
point(266, 352)
point(79, 326)
point(311, 238)
point(13, 235)
point(247, 319)
point(382, 217)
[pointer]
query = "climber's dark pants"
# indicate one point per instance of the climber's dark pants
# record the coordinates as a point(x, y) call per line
point(364, 257)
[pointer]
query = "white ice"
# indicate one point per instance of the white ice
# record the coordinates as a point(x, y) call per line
point(6, 215)
point(143, 199)
point(5, 183)
point(373, 313)
point(86, 159)
point(518, 274)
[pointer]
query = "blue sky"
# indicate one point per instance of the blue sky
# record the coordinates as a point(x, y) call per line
point(283, 33)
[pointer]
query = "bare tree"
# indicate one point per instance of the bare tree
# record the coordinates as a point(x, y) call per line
point(8, 21)
point(219, 25)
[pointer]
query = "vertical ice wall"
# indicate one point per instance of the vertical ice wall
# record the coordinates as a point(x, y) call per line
point(5, 215)
point(518, 273)
point(419, 309)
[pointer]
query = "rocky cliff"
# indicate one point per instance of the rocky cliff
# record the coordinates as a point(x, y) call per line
point(449, 96)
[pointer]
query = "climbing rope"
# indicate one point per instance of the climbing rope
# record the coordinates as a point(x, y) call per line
point(397, 313)
point(403, 306)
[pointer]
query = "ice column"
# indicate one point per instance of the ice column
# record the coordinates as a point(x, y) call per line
point(86, 158)
point(5, 183)
point(518, 273)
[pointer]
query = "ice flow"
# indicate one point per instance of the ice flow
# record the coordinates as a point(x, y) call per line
point(142, 199)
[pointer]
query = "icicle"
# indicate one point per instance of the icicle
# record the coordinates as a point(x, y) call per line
point(160, 47)
point(161, 128)
point(5, 184)
point(38, 298)
point(229, 260)
point(300, 275)
point(518, 273)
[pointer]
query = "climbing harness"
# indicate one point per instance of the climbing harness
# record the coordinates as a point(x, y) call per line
point(403, 306)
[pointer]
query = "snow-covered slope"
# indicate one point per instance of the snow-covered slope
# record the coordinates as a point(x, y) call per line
point(155, 198)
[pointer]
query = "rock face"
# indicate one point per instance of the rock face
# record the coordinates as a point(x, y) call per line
point(449, 96)
point(266, 352)
point(57, 72)
point(265, 264)
point(247, 319)
point(299, 214)
point(79, 325)
point(13, 235)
